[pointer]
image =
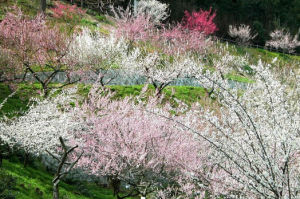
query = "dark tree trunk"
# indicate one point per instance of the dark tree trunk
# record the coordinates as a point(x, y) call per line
point(43, 5)
point(1, 158)
point(61, 172)
point(26, 159)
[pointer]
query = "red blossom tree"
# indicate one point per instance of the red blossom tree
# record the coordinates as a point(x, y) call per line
point(201, 21)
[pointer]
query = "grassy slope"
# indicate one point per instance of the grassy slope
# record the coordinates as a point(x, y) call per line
point(20, 100)
point(30, 179)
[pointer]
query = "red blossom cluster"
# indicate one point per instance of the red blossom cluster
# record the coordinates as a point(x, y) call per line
point(201, 21)
point(66, 11)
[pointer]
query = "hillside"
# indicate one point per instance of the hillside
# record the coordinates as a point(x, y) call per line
point(229, 70)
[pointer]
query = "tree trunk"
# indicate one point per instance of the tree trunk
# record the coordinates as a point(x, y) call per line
point(1, 158)
point(45, 90)
point(55, 191)
point(43, 5)
point(135, 2)
point(26, 158)
point(81, 3)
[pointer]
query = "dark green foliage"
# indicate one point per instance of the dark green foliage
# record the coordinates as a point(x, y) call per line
point(7, 185)
point(261, 34)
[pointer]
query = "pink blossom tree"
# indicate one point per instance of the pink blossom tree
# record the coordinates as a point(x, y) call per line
point(36, 48)
point(131, 27)
point(128, 144)
point(174, 40)
point(7, 72)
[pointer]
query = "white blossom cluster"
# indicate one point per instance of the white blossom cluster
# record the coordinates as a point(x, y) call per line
point(158, 69)
point(281, 39)
point(255, 134)
point(242, 33)
point(39, 128)
point(91, 49)
point(155, 10)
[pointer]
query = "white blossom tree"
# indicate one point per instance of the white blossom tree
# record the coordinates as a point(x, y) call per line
point(242, 34)
point(104, 57)
point(40, 127)
point(155, 10)
point(255, 134)
point(161, 71)
point(281, 39)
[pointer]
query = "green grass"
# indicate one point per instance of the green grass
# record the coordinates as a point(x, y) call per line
point(256, 54)
point(239, 78)
point(30, 179)
point(187, 94)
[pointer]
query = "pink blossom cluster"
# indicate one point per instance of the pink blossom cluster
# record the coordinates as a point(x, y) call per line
point(31, 42)
point(127, 141)
point(138, 28)
point(190, 35)
point(66, 11)
point(179, 40)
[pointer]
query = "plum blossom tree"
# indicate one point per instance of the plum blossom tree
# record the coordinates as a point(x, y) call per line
point(8, 73)
point(133, 28)
point(201, 21)
point(155, 10)
point(64, 167)
point(36, 48)
point(141, 26)
point(254, 135)
point(242, 34)
point(103, 56)
point(160, 70)
point(40, 127)
point(67, 13)
point(4, 136)
point(128, 144)
point(174, 40)
point(281, 39)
